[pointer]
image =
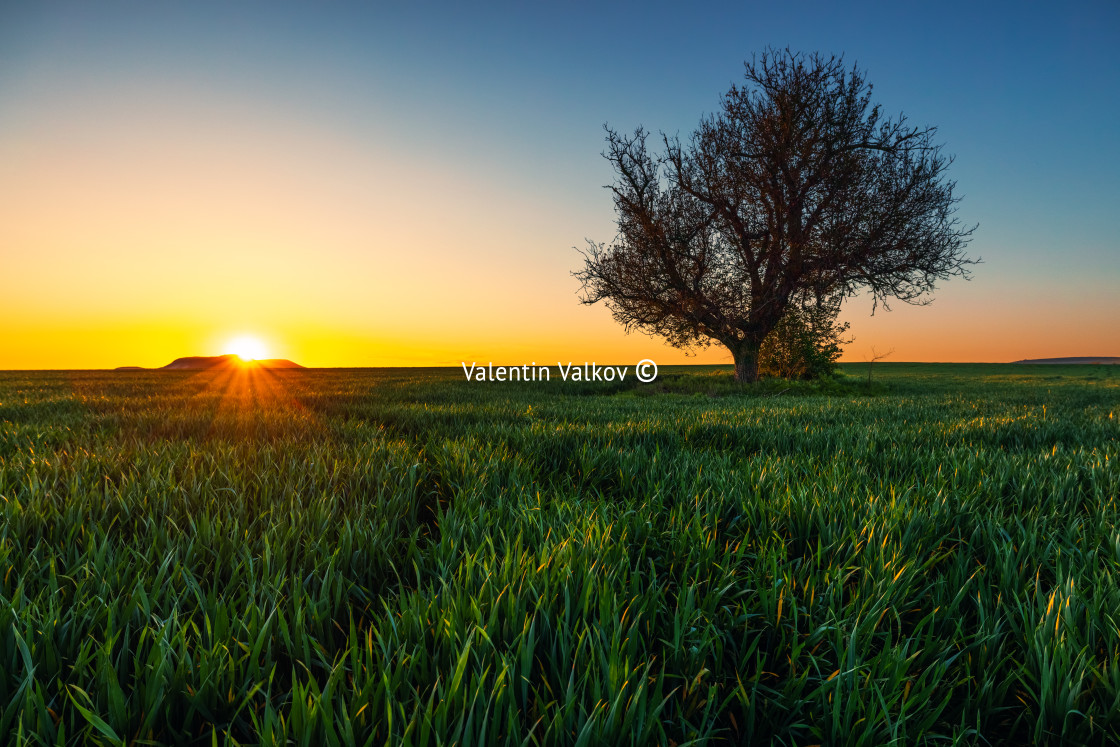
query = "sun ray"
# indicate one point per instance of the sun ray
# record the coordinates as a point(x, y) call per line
point(243, 398)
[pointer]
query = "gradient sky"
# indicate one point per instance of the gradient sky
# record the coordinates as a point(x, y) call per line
point(404, 183)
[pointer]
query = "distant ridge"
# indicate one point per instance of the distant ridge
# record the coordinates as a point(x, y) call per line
point(201, 362)
point(277, 363)
point(1105, 359)
point(205, 362)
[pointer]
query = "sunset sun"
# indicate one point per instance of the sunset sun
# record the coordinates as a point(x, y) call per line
point(247, 348)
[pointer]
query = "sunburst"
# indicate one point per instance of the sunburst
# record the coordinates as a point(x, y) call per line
point(247, 348)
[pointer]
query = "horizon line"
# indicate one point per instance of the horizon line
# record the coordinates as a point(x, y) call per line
point(1104, 360)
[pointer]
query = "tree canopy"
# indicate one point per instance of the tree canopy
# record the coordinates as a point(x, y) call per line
point(796, 194)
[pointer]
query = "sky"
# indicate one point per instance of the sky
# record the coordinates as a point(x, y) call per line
point(399, 184)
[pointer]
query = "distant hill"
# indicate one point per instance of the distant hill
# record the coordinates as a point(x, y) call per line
point(1106, 359)
point(277, 363)
point(199, 362)
point(202, 362)
point(205, 362)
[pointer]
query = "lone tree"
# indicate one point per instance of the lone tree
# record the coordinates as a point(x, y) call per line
point(797, 194)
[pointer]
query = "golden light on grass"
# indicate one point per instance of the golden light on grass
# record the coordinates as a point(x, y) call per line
point(247, 348)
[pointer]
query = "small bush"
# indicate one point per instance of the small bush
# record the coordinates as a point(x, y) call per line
point(804, 345)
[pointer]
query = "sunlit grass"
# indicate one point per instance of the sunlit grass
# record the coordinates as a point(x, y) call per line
point(340, 557)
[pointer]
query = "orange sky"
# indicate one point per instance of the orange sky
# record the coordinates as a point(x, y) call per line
point(153, 207)
point(138, 242)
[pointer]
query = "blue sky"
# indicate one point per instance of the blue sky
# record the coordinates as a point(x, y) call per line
point(491, 118)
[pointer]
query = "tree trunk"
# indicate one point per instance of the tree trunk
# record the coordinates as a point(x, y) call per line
point(746, 362)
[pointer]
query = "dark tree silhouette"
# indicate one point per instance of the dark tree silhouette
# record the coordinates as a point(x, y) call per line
point(874, 358)
point(798, 192)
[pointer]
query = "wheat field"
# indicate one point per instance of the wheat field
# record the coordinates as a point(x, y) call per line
point(399, 556)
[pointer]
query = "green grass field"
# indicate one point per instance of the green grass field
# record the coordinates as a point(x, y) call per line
point(399, 556)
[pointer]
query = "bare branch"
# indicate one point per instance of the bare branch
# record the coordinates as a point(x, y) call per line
point(798, 187)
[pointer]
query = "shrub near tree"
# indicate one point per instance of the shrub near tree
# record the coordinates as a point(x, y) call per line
point(805, 344)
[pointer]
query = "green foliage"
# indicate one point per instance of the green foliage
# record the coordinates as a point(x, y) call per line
point(402, 557)
point(805, 344)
